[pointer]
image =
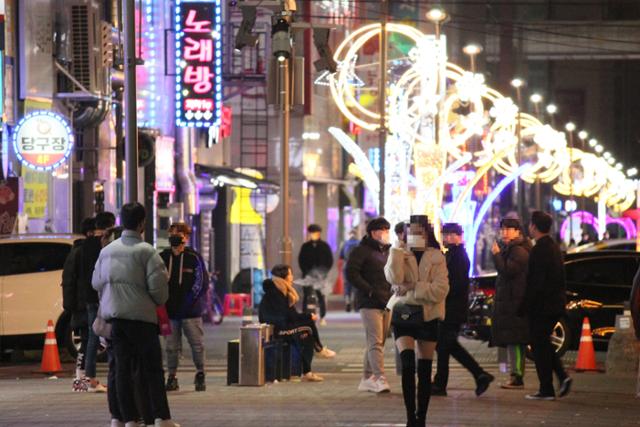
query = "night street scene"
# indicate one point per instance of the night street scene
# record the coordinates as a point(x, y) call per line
point(319, 213)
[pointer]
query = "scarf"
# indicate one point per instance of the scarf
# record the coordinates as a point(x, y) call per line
point(287, 290)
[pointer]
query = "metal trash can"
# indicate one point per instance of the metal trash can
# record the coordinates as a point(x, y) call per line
point(252, 339)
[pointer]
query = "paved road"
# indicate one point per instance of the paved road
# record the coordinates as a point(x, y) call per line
point(28, 399)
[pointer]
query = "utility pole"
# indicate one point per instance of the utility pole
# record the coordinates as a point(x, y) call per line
point(382, 101)
point(131, 127)
point(285, 100)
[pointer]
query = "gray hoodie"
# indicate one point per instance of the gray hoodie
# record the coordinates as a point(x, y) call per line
point(131, 279)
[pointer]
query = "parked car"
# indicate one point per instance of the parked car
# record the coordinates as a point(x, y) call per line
point(30, 291)
point(598, 285)
point(606, 245)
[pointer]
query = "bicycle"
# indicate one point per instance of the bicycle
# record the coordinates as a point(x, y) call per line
point(215, 307)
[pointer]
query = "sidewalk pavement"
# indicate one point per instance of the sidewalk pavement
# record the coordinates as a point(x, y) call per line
point(596, 399)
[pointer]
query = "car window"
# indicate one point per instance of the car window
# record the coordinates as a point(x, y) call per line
point(33, 257)
point(606, 279)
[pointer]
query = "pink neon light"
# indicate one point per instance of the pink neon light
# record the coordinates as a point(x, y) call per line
point(198, 50)
point(200, 77)
point(192, 26)
point(589, 219)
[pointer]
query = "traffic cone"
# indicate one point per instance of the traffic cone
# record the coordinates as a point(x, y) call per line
point(338, 286)
point(586, 355)
point(50, 355)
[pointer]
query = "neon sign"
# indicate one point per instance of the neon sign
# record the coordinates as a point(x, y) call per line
point(198, 63)
point(42, 140)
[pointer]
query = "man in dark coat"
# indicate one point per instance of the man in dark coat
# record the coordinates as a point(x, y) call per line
point(74, 302)
point(544, 303)
point(315, 260)
point(90, 251)
point(365, 271)
point(456, 314)
point(508, 329)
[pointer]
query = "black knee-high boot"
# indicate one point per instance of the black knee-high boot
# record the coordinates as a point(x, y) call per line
point(424, 390)
point(408, 358)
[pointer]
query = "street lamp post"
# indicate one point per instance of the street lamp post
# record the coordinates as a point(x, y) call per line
point(517, 84)
point(131, 126)
point(570, 127)
point(536, 99)
point(472, 50)
point(382, 102)
point(583, 135)
point(551, 111)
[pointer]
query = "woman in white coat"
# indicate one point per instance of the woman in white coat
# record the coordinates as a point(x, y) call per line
point(417, 270)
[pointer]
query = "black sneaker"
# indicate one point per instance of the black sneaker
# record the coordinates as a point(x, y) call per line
point(172, 383)
point(540, 396)
point(199, 382)
point(436, 390)
point(565, 387)
point(482, 382)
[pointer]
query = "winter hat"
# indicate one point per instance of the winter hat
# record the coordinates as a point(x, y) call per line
point(314, 228)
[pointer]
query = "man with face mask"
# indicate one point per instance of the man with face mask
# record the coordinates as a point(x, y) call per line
point(188, 285)
point(365, 271)
point(315, 260)
point(456, 314)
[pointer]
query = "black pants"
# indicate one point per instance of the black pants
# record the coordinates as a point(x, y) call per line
point(546, 358)
point(448, 345)
point(322, 303)
point(135, 341)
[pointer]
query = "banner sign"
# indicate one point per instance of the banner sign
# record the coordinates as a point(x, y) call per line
point(36, 193)
point(198, 63)
point(42, 140)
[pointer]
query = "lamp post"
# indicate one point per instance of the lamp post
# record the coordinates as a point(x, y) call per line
point(131, 126)
point(536, 99)
point(551, 111)
point(437, 17)
point(472, 50)
point(583, 135)
point(518, 84)
point(570, 127)
point(382, 102)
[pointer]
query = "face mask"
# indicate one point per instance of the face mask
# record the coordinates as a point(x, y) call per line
point(175, 241)
point(416, 241)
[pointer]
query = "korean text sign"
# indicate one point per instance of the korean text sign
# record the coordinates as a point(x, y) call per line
point(198, 63)
point(43, 140)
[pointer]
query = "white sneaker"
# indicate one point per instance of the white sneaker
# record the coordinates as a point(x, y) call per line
point(117, 423)
point(382, 385)
point(325, 353)
point(99, 388)
point(165, 423)
point(368, 384)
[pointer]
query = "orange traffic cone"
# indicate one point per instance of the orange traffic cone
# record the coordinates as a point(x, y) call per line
point(586, 355)
point(338, 286)
point(50, 355)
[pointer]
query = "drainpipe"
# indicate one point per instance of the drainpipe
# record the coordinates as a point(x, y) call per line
point(186, 137)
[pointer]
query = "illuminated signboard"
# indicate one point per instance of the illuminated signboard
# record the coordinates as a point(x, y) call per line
point(198, 63)
point(42, 140)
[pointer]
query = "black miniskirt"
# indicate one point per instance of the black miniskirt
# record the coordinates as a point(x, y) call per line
point(428, 331)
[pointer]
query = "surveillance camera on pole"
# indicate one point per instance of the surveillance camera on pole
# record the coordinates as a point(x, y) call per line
point(321, 42)
point(244, 37)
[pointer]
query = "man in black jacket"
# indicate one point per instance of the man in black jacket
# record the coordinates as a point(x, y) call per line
point(73, 300)
point(456, 314)
point(315, 260)
point(365, 271)
point(89, 253)
point(544, 302)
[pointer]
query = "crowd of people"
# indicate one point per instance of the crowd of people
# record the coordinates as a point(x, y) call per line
point(119, 287)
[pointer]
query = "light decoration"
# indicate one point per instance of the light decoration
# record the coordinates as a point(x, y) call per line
point(42, 140)
point(146, 77)
point(198, 63)
point(477, 134)
point(587, 218)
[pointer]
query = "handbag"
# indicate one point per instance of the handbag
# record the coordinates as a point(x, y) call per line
point(101, 327)
point(164, 324)
point(408, 315)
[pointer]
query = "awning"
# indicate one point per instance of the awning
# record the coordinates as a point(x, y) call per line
point(220, 176)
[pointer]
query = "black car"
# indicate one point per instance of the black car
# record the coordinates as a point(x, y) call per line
point(598, 285)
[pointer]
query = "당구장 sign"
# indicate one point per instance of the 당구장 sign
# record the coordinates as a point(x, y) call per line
point(43, 140)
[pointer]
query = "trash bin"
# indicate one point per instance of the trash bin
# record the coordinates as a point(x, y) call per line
point(252, 340)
